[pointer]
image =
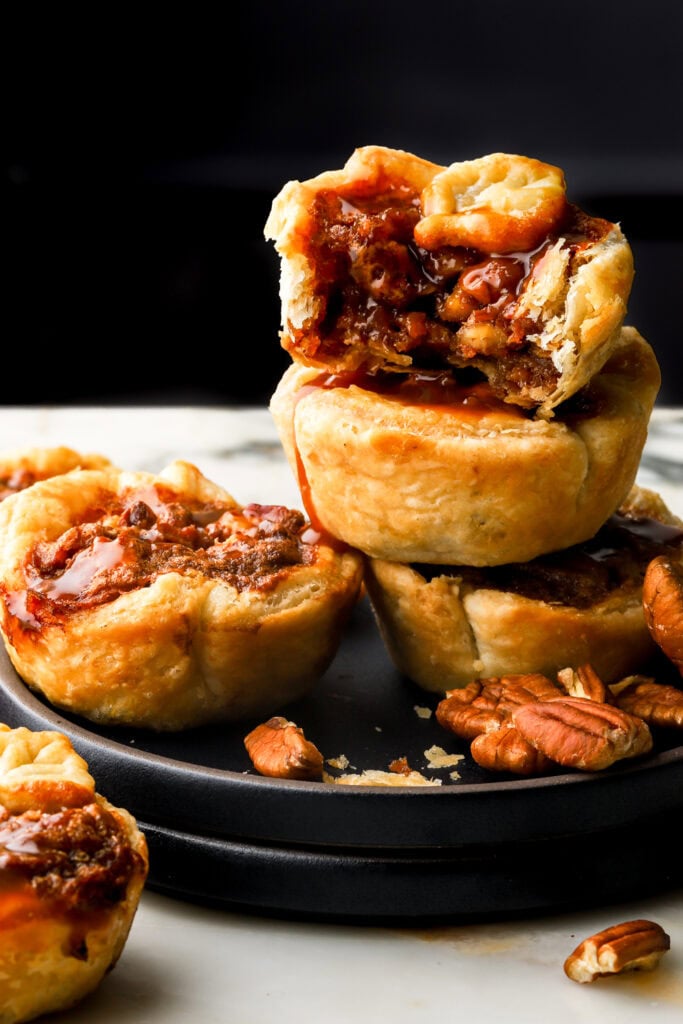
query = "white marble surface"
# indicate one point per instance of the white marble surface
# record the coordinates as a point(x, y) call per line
point(187, 963)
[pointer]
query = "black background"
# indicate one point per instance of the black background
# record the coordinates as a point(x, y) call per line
point(142, 157)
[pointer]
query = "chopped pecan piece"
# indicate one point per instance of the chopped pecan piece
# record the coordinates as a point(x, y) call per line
point(278, 748)
point(630, 946)
point(506, 750)
point(584, 681)
point(656, 703)
point(663, 607)
point(580, 733)
point(485, 704)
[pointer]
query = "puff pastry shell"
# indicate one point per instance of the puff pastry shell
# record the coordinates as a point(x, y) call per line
point(443, 630)
point(425, 483)
point(72, 869)
point(174, 645)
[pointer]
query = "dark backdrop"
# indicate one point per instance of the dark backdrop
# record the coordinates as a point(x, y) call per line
point(142, 160)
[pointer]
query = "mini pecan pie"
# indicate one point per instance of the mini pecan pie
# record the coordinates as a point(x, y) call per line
point(446, 626)
point(72, 868)
point(159, 601)
point(397, 263)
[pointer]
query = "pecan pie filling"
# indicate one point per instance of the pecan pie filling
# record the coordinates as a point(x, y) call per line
point(77, 859)
point(74, 864)
point(128, 541)
point(388, 303)
point(580, 576)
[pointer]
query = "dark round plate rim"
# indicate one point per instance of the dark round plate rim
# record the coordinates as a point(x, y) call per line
point(205, 800)
point(441, 885)
point(24, 696)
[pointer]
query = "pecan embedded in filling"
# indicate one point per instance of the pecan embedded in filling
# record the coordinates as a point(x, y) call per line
point(78, 859)
point(389, 304)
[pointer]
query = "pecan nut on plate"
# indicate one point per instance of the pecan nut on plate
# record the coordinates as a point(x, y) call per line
point(663, 604)
point(278, 748)
point(577, 732)
point(529, 725)
point(482, 713)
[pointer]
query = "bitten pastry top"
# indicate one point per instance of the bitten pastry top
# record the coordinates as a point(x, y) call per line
point(72, 868)
point(160, 601)
point(395, 263)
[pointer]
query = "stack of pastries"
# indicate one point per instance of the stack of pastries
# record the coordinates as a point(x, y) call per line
point(466, 407)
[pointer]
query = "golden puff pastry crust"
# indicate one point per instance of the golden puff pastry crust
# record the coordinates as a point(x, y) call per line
point(161, 602)
point(72, 869)
point(428, 473)
point(393, 262)
point(444, 628)
point(21, 467)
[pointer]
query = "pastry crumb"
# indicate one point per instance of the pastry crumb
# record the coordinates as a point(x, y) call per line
point(438, 758)
point(340, 762)
point(375, 777)
point(422, 712)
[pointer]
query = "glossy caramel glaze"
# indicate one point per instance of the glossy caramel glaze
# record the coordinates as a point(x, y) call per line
point(128, 541)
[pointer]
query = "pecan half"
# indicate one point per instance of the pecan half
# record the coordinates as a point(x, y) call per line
point(656, 703)
point(506, 750)
point(583, 681)
point(580, 733)
point(663, 607)
point(468, 711)
point(629, 946)
point(278, 748)
point(485, 704)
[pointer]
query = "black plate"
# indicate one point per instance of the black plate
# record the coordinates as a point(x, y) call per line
point(218, 831)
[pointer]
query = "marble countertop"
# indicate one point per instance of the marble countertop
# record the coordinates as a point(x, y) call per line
point(185, 962)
